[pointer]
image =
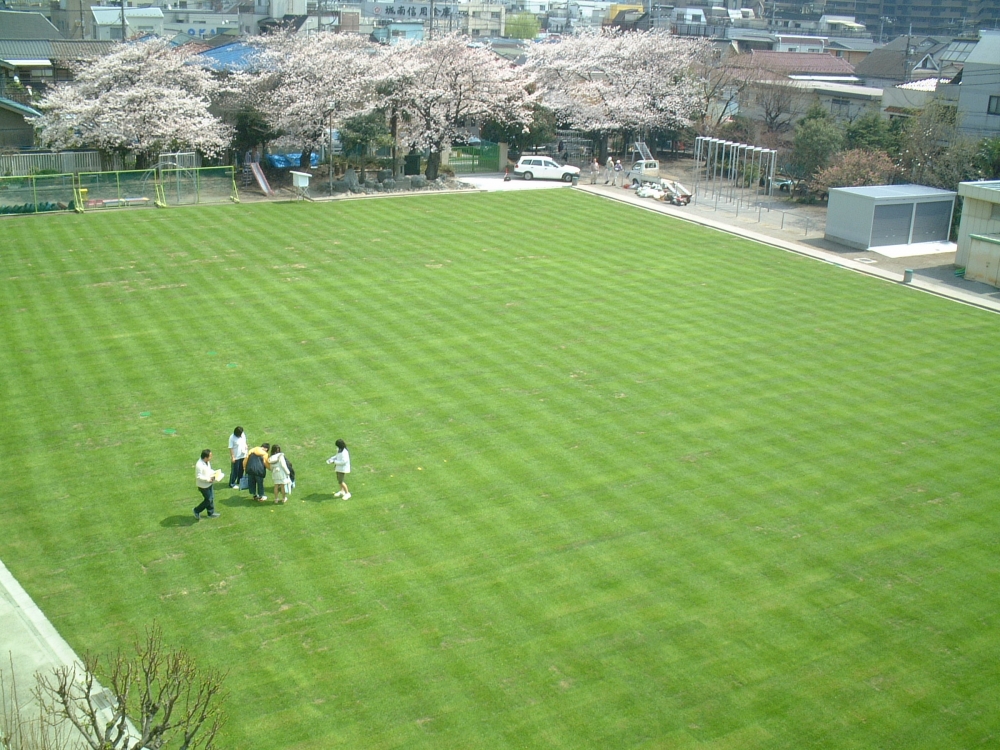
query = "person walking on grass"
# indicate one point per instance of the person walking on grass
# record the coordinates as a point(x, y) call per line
point(280, 475)
point(206, 477)
point(342, 464)
point(237, 452)
point(255, 466)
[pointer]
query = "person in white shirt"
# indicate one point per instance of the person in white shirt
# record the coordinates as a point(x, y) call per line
point(342, 464)
point(237, 452)
point(205, 477)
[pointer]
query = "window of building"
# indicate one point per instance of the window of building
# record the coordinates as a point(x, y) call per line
point(840, 107)
point(994, 106)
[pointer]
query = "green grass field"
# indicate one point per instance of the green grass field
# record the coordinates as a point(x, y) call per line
point(618, 481)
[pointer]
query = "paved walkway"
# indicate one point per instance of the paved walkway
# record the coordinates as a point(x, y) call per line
point(28, 642)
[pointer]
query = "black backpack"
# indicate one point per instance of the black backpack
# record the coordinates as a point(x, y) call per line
point(291, 469)
point(255, 465)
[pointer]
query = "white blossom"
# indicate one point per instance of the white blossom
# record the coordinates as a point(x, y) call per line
point(307, 83)
point(611, 80)
point(441, 86)
point(142, 98)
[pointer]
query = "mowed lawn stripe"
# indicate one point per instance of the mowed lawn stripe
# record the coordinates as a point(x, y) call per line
point(618, 481)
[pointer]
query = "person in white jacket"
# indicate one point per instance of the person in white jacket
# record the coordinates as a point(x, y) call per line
point(205, 477)
point(342, 464)
point(280, 474)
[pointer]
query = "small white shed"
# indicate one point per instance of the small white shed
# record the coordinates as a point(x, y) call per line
point(979, 231)
point(882, 215)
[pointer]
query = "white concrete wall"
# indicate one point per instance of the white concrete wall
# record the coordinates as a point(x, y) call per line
point(978, 216)
point(849, 218)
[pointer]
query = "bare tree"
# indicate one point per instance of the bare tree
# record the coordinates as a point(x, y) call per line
point(156, 699)
point(723, 84)
point(778, 102)
point(24, 724)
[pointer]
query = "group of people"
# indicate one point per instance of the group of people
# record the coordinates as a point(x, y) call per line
point(249, 467)
point(614, 172)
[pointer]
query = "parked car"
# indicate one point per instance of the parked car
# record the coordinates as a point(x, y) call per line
point(544, 168)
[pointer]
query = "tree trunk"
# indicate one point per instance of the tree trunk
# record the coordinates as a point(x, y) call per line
point(433, 163)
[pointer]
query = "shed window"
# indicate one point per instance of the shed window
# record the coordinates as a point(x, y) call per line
point(994, 106)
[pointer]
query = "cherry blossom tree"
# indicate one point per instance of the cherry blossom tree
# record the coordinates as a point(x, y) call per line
point(139, 100)
point(610, 80)
point(306, 85)
point(439, 87)
point(856, 168)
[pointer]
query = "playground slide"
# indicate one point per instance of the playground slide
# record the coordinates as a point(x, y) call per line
point(258, 173)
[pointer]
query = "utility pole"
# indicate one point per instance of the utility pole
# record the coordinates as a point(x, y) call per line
point(123, 21)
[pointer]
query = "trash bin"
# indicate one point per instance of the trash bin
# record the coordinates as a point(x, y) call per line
point(576, 180)
point(908, 276)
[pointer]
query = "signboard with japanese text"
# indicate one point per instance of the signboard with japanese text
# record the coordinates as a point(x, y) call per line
point(410, 11)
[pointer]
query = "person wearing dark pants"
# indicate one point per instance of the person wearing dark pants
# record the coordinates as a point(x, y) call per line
point(205, 478)
point(237, 452)
point(255, 467)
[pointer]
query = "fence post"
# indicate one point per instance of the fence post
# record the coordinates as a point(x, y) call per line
point(782, 220)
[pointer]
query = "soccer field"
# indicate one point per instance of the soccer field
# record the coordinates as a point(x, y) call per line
point(618, 481)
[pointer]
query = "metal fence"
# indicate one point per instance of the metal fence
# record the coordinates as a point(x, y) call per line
point(88, 191)
point(62, 162)
point(37, 194)
point(468, 159)
point(766, 214)
point(181, 187)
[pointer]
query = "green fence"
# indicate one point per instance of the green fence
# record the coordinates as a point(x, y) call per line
point(184, 187)
point(468, 159)
point(116, 189)
point(90, 191)
point(36, 194)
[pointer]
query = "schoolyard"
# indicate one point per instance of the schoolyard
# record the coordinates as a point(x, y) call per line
point(618, 481)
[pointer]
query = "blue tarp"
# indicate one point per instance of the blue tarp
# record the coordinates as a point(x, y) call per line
point(288, 161)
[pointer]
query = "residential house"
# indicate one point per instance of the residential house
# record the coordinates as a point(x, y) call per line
point(979, 89)
point(902, 60)
point(788, 83)
point(852, 50)
point(114, 24)
point(40, 62)
point(907, 99)
point(16, 130)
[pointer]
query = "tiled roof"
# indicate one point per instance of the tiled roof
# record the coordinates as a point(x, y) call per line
point(63, 49)
point(15, 24)
point(802, 63)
